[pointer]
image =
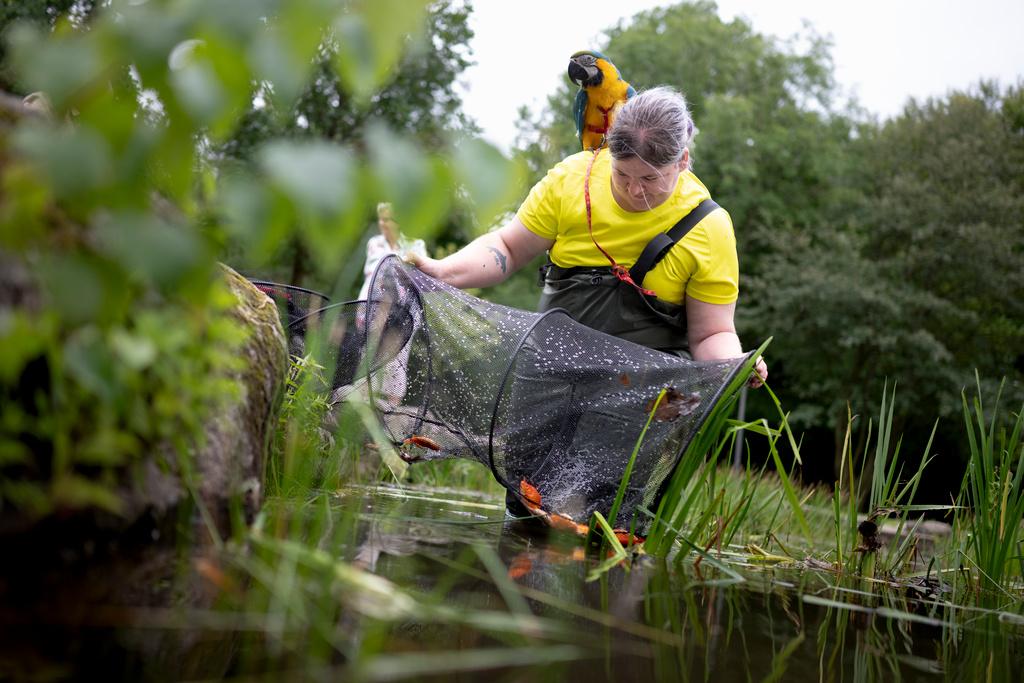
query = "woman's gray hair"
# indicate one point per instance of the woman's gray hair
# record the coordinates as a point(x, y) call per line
point(654, 125)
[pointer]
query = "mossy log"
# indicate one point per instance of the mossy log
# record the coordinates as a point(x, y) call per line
point(232, 460)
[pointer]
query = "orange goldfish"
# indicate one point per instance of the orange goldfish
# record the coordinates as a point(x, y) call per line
point(422, 442)
point(532, 500)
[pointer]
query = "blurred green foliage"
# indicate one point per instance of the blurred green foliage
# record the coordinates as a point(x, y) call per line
point(114, 209)
point(40, 13)
point(418, 96)
point(921, 282)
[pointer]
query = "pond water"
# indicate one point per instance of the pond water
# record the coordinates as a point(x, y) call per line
point(389, 584)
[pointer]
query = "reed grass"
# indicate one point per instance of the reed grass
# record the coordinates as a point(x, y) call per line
point(992, 495)
point(677, 502)
point(707, 506)
point(627, 474)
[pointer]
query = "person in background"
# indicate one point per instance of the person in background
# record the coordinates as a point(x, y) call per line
point(389, 241)
point(596, 212)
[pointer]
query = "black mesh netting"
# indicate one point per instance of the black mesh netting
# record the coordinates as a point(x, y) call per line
point(534, 396)
point(298, 306)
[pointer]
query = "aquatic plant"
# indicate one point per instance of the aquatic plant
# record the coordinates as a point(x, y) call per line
point(681, 494)
point(989, 531)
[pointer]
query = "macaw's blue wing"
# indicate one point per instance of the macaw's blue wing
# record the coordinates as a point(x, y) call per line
point(579, 112)
point(630, 91)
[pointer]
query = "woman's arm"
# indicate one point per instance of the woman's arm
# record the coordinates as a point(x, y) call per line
point(712, 335)
point(487, 260)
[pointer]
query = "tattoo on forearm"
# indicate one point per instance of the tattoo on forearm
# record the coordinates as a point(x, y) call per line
point(500, 259)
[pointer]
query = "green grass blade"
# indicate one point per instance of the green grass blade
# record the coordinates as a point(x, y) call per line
point(790, 492)
point(628, 473)
point(609, 534)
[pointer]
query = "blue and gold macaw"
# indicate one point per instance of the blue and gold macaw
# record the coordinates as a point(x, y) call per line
point(602, 92)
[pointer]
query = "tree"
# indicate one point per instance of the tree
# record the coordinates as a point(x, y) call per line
point(923, 285)
point(945, 215)
point(944, 210)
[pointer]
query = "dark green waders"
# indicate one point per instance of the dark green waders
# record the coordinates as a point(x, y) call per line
point(598, 299)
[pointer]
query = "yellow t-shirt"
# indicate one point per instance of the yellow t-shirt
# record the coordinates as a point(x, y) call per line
point(702, 265)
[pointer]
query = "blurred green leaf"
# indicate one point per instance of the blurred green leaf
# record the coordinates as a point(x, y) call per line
point(242, 21)
point(76, 160)
point(418, 184)
point(14, 453)
point(107, 446)
point(22, 339)
point(74, 491)
point(172, 167)
point(82, 288)
point(256, 216)
point(28, 497)
point(132, 142)
point(370, 38)
point(273, 62)
point(90, 362)
point(25, 199)
point(145, 34)
point(63, 66)
point(284, 55)
point(136, 351)
point(195, 82)
point(317, 176)
point(159, 252)
point(331, 241)
point(212, 84)
point(492, 181)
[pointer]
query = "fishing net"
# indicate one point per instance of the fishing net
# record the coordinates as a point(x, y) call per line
point(299, 307)
point(537, 397)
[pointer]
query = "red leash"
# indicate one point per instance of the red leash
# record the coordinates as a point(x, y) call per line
point(604, 129)
point(618, 271)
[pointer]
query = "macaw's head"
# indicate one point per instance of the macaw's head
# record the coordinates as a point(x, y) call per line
point(588, 69)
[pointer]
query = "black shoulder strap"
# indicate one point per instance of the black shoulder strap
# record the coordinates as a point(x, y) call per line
point(662, 242)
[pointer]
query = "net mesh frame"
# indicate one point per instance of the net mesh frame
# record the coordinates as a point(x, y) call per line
point(536, 397)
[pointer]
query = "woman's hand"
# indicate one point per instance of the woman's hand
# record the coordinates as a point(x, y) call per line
point(427, 265)
point(760, 373)
point(487, 260)
point(712, 335)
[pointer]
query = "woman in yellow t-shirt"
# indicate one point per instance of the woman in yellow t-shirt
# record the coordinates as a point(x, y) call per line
point(638, 188)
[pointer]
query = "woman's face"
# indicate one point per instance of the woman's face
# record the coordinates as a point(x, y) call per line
point(639, 186)
point(387, 225)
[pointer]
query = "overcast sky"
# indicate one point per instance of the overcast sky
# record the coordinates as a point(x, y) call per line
point(884, 51)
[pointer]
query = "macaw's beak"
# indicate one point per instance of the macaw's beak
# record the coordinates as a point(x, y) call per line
point(584, 75)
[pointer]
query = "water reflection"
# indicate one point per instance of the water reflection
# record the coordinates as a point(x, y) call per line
point(386, 584)
point(775, 625)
